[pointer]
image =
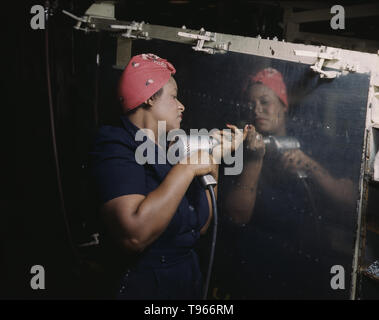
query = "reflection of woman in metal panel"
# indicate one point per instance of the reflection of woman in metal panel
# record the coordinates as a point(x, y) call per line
point(278, 250)
point(266, 93)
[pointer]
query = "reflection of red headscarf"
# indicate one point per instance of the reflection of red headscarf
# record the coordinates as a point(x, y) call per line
point(272, 79)
point(144, 75)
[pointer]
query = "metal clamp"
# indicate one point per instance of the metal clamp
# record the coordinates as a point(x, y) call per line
point(78, 26)
point(94, 242)
point(321, 57)
point(376, 167)
point(205, 36)
point(134, 30)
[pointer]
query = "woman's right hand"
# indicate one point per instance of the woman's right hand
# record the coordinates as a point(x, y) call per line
point(200, 163)
point(254, 144)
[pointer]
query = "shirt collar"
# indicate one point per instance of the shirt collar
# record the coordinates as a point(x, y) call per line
point(132, 129)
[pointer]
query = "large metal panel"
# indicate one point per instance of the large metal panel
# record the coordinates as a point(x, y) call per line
point(298, 231)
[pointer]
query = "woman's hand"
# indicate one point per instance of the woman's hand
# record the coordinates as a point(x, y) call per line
point(228, 141)
point(254, 144)
point(201, 163)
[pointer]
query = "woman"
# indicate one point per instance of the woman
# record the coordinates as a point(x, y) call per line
point(267, 96)
point(155, 213)
point(283, 236)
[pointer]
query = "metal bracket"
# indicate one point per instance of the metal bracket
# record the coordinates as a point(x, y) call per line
point(102, 10)
point(376, 167)
point(134, 30)
point(321, 57)
point(85, 19)
point(205, 36)
point(375, 104)
point(94, 242)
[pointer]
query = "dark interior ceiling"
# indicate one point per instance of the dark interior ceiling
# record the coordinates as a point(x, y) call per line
point(241, 17)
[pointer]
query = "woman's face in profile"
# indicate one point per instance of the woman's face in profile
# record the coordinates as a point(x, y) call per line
point(268, 111)
point(167, 107)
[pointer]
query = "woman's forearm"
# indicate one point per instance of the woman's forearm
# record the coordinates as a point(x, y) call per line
point(157, 209)
point(240, 201)
point(341, 191)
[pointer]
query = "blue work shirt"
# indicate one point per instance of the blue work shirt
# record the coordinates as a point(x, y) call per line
point(116, 173)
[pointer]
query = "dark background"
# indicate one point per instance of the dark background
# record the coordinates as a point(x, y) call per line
point(34, 230)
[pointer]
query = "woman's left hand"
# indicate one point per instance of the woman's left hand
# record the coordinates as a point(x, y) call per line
point(229, 141)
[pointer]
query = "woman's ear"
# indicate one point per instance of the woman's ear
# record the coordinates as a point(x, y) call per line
point(149, 102)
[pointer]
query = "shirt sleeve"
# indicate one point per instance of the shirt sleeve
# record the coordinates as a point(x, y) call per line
point(114, 169)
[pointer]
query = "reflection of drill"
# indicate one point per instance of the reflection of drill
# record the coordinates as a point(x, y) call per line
point(281, 145)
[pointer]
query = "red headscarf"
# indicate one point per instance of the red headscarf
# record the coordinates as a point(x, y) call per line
point(144, 75)
point(272, 79)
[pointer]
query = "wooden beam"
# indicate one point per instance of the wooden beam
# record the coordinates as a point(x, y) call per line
point(357, 11)
point(290, 28)
point(124, 51)
point(294, 4)
point(338, 41)
point(262, 2)
point(310, 5)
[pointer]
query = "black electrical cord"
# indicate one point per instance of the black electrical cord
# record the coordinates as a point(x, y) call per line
point(53, 135)
point(213, 246)
point(97, 74)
